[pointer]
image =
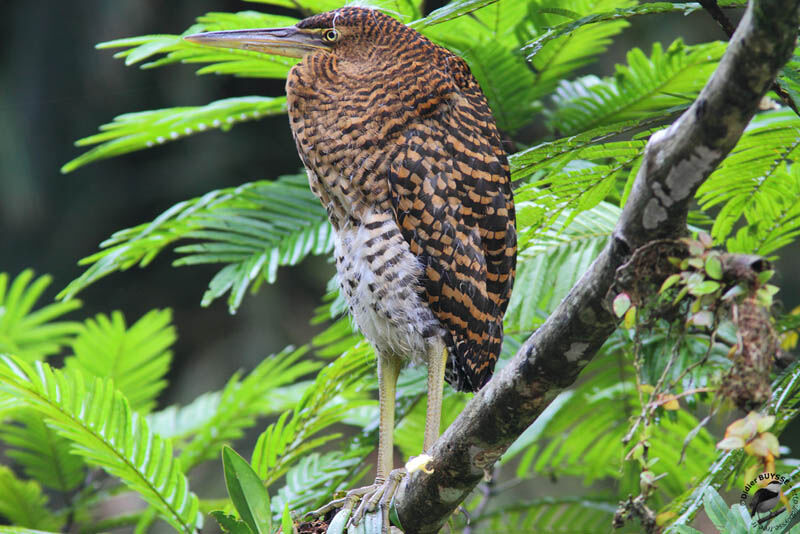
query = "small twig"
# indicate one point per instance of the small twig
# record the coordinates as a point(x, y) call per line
point(771, 516)
point(676, 396)
point(486, 494)
point(716, 13)
point(693, 432)
point(727, 26)
point(699, 363)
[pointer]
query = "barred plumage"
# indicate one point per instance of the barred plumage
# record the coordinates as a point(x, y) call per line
point(391, 123)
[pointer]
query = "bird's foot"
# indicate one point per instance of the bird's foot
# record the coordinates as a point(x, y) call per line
point(380, 496)
point(377, 496)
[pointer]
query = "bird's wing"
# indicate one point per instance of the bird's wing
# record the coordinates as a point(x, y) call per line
point(452, 199)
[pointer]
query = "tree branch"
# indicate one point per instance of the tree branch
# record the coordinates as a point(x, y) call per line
point(727, 26)
point(676, 161)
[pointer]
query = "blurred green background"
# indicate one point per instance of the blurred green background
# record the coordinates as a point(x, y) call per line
point(56, 88)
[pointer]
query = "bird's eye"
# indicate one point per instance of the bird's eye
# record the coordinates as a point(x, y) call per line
point(330, 36)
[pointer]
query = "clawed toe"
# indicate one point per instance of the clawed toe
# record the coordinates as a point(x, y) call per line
point(380, 497)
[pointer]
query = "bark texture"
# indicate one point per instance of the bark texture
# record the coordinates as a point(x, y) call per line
point(676, 161)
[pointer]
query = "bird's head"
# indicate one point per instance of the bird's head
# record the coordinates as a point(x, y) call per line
point(348, 33)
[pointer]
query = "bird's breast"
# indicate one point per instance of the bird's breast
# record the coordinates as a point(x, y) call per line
point(380, 279)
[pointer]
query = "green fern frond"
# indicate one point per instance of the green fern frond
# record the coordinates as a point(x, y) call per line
point(556, 154)
point(145, 129)
point(550, 514)
point(220, 61)
point(28, 333)
point(137, 358)
point(450, 11)
point(242, 401)
point(44, 455)
point(768, 235)
point(506, 82)
point(592, 175)
point(789, 77)
point(600, 453)
point(24, 505)
point(756, 183)
point(322, 405)
point(665, 82)
point(180, 422)
point(553, 58)
point(314, 477)
point(253, 228)
point(550, 261)
point(99, 421)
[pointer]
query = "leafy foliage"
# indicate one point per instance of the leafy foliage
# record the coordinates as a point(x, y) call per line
point(321, 406)
point(135, 131)
point(758, 185)
point(23, 503)
point(252, 229)
point(221, 61)
point(136, 358)
point(240, 402)
point(98, 420)
point(554, 57)
point(551, 261)
point(667, 81)
point(32, 335)
point(553, 514)
point(44, 455)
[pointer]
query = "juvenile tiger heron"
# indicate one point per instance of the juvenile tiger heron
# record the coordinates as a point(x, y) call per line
point(403, 152)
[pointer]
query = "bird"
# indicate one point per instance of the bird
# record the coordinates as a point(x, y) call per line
point(765, 498)
point(401, 148)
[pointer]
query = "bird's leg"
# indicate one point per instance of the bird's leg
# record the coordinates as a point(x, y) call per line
point(388, 371)
point(437, 361)
point(386, 480)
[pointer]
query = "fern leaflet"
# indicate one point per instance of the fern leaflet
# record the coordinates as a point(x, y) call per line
point(107, 433)
point(44, 455)
point(253, 228)
point(647, 87)
point(32, 335)
point(24, 505)
point(145, 129)
point(136, 358)
point(241, 402)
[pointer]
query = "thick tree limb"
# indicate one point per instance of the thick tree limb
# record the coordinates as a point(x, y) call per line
point(676, 162)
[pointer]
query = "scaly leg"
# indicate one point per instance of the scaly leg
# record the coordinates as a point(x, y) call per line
point(437, 361)
point(388, 371)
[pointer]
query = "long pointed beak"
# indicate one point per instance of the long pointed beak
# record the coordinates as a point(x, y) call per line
point(291, 41)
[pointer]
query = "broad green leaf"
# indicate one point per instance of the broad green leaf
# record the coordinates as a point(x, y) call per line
point(230, 524)
point(247, 492)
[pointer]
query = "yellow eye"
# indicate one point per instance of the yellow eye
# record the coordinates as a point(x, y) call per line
point(330, 36)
